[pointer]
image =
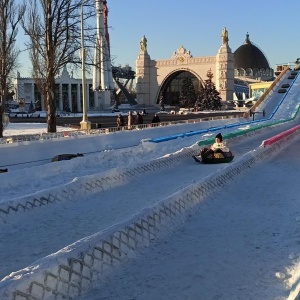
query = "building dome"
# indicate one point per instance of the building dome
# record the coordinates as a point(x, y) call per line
point(249, 56)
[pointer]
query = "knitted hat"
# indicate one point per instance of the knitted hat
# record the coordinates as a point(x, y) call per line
point(219, 136)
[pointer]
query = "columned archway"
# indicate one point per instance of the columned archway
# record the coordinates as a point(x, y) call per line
point(154, 77)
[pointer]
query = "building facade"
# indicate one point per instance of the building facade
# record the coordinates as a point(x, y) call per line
point(68, 93)
point(232, 74)
point(156, 78)
point(256, 90)
point(251, 63)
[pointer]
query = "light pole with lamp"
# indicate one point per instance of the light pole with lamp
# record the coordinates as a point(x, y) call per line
point(84, 124)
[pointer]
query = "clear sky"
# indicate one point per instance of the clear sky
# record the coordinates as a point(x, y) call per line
point(197, 25)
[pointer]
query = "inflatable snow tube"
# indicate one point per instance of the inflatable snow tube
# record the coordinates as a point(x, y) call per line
point(61, 157)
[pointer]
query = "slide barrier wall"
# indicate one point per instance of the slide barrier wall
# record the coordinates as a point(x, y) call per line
point(266, 93)
point(280, 136)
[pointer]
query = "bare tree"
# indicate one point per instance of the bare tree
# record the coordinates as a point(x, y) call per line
point(53, 27)
point(10, 16)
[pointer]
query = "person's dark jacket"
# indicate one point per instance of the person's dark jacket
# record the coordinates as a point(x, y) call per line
point(156, 119)
point(139, 119)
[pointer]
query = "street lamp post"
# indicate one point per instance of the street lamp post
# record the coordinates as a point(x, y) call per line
point(84, 124)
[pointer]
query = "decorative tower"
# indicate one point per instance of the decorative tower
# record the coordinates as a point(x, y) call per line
point(102, 73)
point(143, 74)
point(225, 69)
point(105, 20)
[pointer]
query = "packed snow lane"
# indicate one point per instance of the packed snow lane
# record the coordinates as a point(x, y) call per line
point(49, 228)
point(61, 224)
point(241, 244)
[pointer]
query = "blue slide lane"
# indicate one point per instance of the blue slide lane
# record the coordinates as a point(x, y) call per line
point(212, 129)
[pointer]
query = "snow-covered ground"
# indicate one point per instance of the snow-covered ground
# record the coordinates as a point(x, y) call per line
point(240, 243)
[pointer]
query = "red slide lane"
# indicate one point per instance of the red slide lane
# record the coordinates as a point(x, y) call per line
point(280, 136)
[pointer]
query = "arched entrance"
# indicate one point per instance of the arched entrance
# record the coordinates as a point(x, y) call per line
point(172, 85)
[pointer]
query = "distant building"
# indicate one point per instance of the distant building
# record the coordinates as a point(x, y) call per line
point(250, 63)
point(256, 90)
point(250, 66)
point(68, 93)
point(232, 72)
point(164, 78)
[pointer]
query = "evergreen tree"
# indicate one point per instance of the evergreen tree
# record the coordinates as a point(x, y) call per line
point(187, 96)
point(209, 96)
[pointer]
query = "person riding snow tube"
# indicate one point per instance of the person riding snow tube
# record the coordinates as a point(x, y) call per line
point(216, 153)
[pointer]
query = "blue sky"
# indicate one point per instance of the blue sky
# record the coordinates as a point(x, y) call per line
point(197, 25)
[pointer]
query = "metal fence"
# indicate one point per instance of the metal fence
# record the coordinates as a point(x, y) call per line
point(101, 131)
